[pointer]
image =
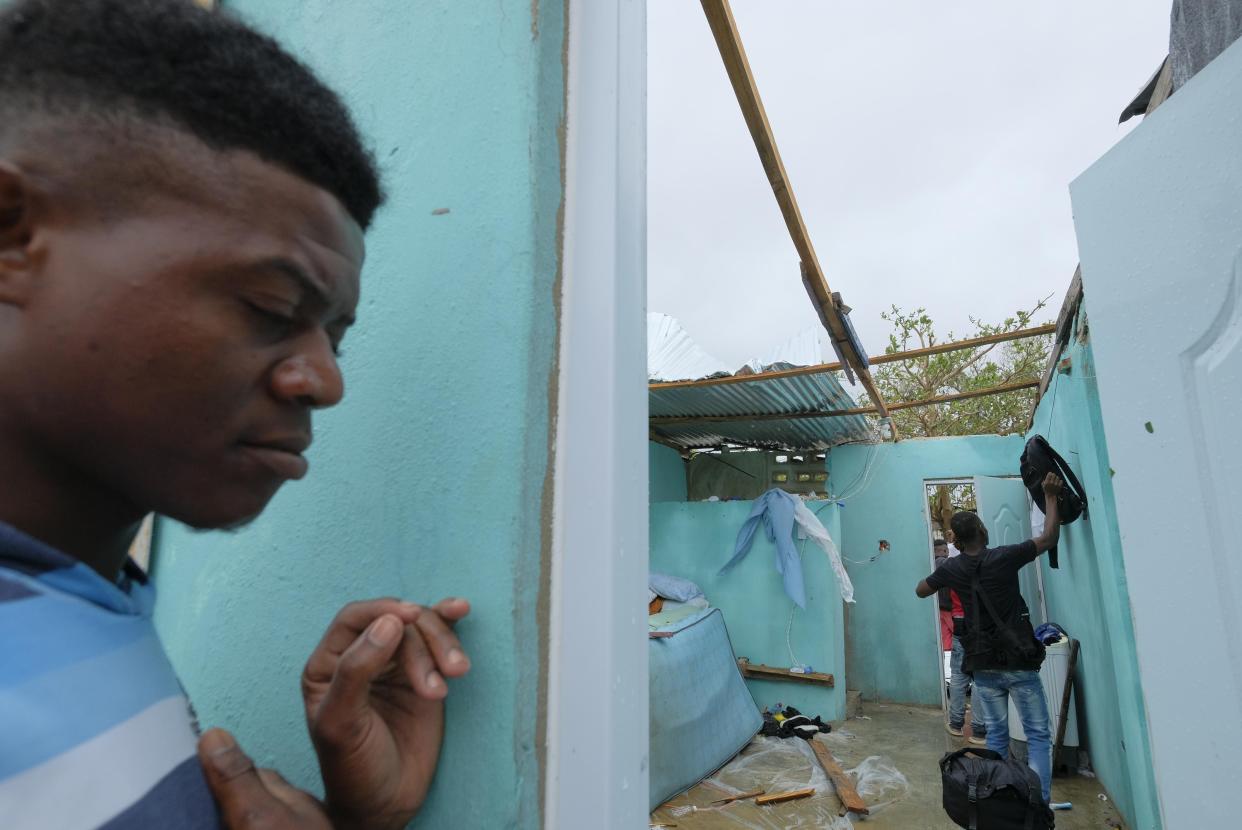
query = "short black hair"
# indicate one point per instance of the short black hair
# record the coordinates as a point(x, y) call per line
point(966, 527)
point(204, 72)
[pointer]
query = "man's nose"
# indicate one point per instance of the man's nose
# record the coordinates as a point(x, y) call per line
point(311, 377)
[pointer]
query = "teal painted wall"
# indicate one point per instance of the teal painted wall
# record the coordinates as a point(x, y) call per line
point(694, 539)
point(428, 481)
point(666, 474)
point(891, 637)
point(1087, 595)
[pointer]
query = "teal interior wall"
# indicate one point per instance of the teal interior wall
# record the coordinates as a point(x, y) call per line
point(1087, 595)
point(891, 637)
point(429, 480)
point(694, 539)
point(666, 474)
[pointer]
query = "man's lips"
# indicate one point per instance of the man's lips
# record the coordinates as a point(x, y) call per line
point(282, 456)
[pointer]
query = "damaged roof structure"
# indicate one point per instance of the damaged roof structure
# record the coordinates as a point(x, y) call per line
point(784, 406)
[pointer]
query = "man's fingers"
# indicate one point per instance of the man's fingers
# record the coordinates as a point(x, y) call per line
point(278, 786)
point(235, 783)
point(451, 659)
point(419, 666)
point(346, 627)
point(345, 706)
point(430, 651)
point(298, 801)
point(452, 609)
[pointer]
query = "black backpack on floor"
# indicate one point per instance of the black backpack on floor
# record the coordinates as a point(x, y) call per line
point(1039, 459)
point(982, 791)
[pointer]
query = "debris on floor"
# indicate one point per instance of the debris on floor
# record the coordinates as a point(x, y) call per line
point(785, 770)
point(851, 801)
point(740, 797)
point(788, 722)
point(910, 740)
point(778, 798)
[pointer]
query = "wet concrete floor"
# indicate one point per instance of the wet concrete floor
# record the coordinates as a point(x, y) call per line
point(912, 738)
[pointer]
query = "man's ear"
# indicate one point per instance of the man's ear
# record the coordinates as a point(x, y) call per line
point(16, 235)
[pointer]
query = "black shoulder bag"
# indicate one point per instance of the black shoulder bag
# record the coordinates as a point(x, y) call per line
point(982, 791)
point(1039, 459)
point(1007, 649)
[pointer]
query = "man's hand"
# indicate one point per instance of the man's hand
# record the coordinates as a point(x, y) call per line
point(374, 691)
point(254, 799)
point(1052, 485)
point(1052, 515)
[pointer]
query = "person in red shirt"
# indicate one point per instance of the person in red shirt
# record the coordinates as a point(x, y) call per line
point(945, 599)
point(951, 624)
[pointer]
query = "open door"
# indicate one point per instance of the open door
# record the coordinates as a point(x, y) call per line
point(1004, 506)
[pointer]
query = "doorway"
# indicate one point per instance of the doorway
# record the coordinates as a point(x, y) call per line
point(943, 498)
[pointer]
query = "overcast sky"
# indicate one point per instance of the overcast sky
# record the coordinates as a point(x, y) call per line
point(930, 146)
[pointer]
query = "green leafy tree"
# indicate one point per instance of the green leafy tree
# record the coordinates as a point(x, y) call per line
point(961, 371)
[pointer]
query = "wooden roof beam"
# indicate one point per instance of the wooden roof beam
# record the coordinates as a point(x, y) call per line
point(928, 351)
point(669, 420)
point(724, 30)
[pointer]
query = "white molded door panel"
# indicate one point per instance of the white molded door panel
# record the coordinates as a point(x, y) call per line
point(1159, 223)
point(1005, 510)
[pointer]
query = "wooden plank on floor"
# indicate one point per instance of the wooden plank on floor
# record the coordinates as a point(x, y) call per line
point(845, 787)
point(776, 798)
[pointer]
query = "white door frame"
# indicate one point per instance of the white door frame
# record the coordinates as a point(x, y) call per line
point(596, 761)
point(931, 555)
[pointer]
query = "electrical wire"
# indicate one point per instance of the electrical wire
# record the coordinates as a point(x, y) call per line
point(863, 479)
point(863, 483)
point(793, 660)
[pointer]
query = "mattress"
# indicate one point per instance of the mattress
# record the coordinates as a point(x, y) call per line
point(701, 712)
point(675, 616)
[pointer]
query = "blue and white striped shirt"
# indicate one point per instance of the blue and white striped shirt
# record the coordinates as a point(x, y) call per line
point(95, 730)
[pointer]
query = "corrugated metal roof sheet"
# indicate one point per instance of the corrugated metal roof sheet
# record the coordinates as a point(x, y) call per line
point(673, 356)
point(804, 393)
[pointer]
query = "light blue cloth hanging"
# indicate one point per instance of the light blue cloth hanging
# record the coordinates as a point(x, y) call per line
point(775, 509)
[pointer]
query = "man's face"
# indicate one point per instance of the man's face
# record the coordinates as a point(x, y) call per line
point(170, 357)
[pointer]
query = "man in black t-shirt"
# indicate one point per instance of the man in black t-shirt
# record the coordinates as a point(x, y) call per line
point(997, 678)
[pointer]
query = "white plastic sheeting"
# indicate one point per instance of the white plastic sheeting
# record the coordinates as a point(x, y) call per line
point(780, 765)
point(672, 355)
point(809, 524)
point(803, 349)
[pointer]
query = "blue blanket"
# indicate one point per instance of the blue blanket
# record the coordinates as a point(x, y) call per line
point(701, 712)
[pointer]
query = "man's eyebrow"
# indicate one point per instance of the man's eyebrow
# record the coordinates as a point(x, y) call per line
point(310, 286)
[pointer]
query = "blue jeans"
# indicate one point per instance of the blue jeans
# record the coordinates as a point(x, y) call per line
point(958, 683)
point(992, 692)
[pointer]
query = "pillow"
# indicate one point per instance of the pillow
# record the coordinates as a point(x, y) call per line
point(673, 587)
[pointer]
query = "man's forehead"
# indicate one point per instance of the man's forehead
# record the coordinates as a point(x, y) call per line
point(91, 160)
point(267, 194)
